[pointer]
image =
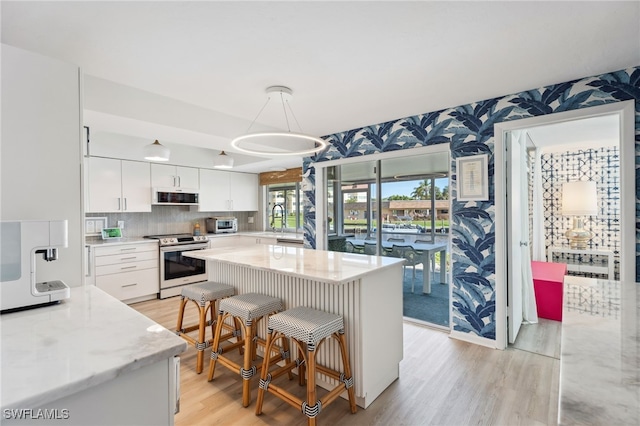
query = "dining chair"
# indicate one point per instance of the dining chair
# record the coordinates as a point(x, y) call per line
point(395, 240)
point(412, 258)
point(349, 248)
point(370, 248)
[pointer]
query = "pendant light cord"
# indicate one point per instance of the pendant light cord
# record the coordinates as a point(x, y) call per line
point(259, 112)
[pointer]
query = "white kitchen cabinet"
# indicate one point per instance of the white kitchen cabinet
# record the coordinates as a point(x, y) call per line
point(118, 186)
point(168, 176)
point(222, 191)
point(129, 272)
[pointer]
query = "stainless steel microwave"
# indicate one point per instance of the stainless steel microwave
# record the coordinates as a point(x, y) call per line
point(174, 196)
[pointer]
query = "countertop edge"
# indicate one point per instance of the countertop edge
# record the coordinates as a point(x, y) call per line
point(169, 347)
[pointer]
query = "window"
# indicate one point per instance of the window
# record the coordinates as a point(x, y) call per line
point(284, 207)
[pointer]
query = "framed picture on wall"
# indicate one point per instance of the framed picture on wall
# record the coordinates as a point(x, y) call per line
point(473, 178)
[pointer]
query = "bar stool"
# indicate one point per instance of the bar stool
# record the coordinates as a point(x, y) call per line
point(204, 296)
point(308, 328)
point(249, 308)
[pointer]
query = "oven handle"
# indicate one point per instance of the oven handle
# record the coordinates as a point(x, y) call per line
point(185, 247)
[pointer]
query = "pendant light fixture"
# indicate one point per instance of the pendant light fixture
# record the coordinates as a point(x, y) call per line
point(156, 152)
point(278, 143)
point(223, 161)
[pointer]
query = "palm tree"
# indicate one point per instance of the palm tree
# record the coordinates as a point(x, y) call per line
point(422, 191)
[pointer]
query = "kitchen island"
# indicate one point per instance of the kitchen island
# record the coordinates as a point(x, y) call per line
point(365, 290)
point(600, 355)
point(87, 360)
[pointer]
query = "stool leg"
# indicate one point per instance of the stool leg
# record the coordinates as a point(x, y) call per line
point(302, 350)
point(183, 303)
point(265, 371)
point(216, 345)
point(311, 384)
point(247, 372)
point(200, 344)
point(347, 370)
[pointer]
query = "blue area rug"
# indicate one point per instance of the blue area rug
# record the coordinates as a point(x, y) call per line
point(432, 308)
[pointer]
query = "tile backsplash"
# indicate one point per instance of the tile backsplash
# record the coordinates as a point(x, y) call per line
point(172, 220)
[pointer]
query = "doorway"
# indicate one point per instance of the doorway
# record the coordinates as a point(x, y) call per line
point(624, 111)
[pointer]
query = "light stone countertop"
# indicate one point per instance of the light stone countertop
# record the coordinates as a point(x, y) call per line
point(600, 353)
point(55, 351)
point(319, 265)
point(98, 242)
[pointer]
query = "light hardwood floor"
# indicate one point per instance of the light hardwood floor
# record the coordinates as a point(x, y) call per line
point(442, 382)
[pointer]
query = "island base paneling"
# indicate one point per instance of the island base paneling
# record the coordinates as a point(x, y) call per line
point(372, 311)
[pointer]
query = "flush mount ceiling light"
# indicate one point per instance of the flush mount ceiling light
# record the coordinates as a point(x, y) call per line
point(223, 161)
point(156, 152)
point(278, 143)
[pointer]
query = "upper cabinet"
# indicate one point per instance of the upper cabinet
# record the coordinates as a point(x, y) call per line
point(118, 186)
point(222, 191)
point(168, 176)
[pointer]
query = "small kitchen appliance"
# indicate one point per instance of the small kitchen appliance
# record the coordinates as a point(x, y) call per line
point(222, 225)
point(20, 242)
point(177, 270)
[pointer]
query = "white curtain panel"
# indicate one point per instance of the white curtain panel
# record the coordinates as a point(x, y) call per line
point(529, 310)
point(538, 249)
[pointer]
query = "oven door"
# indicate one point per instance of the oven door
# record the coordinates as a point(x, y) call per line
point(177, 270)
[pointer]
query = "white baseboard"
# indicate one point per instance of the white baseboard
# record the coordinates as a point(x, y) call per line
point(472, 338)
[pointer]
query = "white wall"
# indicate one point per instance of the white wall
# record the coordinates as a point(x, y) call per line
point(40, 151)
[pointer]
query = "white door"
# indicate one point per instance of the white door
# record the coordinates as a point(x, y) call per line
point(244, 192)
point(163, 176)
point(187, 177)
point(136, 186)
point(105, 185)
point(515, 218)
point(214, 191)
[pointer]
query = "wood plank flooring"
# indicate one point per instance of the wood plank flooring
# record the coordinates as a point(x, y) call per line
point(442, 382)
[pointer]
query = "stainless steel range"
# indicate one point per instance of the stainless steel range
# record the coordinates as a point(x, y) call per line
point(177, 270)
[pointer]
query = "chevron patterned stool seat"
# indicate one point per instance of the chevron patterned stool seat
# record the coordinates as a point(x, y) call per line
point(247, 309)
point(204, 296)
point(308, 328)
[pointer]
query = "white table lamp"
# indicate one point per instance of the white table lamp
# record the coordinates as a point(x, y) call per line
point(579, 199)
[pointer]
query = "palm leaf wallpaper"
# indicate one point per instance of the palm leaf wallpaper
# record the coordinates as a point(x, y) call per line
point(469, 131)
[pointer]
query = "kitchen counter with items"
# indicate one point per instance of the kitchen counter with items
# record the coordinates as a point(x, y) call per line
point(98, 242)
point(600, 356)
point(365, 290)
point(92, 356)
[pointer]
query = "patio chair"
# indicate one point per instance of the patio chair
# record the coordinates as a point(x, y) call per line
point(370, 248)
point(412, 258)
point(432, 258)
point(349, 247)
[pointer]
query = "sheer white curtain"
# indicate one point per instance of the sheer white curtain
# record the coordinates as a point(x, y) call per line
point(529, 310)
point(538, 249)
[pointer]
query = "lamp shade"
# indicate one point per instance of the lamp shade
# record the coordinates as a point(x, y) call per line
point(156, 152)
point(223, 161)
point(579, 198)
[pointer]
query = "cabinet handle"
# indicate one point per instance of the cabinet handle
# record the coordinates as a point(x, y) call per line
point(118, 203)
point(179, 183)
point(125, 204)
point(130, 285)
point(128, 258)
point(129, 267)
point(127, 249)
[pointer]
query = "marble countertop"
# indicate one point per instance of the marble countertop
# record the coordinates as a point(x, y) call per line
point(55, 351)
point(97, 242)
point(266, 234)
point(600, 354)
point(319, 265)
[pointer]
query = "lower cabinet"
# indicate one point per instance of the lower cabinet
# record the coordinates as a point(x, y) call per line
point(129, 272)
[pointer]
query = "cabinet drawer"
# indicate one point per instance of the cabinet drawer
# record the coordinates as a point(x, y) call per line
point(126, 267)
point(130, 284)
point(116, 259)
point(126, 248)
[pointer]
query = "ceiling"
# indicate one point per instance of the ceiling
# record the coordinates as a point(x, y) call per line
point(349, 64)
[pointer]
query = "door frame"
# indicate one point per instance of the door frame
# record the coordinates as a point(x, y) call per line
point(626, 114)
